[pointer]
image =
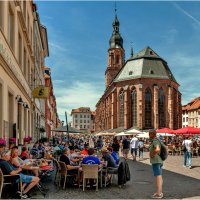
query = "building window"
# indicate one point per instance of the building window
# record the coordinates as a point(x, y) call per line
point(24, 65)
point(88, 126)
point(11, 32)
point(80, 126)
point(186, 119)
point(88, 121)
point(75, 116)
point(76, 121)
point(1, 14)
point(84, 121)
point(84, 116)
point(183, 119)
point(84, 126)
point(161, 109)
point(148, 106)
point(20, 50)
point(80, 121)
point(134, 107)
point(80, 116)
point(121, 108)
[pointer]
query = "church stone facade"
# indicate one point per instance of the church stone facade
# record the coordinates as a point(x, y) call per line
point(141, 92)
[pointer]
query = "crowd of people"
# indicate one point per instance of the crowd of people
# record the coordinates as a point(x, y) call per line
point(103, 151)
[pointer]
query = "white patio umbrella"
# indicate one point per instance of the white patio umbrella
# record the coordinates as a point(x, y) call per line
point(133, 131)
point(165, 134)
point(143, 135)
point(105, 134)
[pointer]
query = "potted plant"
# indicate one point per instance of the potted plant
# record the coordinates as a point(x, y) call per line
point(26, 140)
point(12, 142)
point(2, 143)
point(29, 139)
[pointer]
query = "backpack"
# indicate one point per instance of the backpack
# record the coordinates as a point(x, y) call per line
point(163, 151)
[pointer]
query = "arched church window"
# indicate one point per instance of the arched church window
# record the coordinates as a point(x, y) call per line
point(161, 108)
point(134, 107)
point(121, 109)
point(148, 108)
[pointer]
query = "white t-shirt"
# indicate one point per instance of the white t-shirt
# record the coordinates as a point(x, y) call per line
point(134, 143)
point(188, 144)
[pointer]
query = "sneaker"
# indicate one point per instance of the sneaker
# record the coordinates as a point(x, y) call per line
point(157, 196)
point(190, 167)
point(24, 196)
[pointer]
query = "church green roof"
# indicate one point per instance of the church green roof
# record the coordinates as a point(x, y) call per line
point(146, 64)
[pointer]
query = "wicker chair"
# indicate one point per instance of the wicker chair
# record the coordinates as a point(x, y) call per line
point(90, 172)
point(57, 165)
point(4, 182)
point(63, 172)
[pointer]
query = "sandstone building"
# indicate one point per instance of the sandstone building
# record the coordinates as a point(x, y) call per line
point(141, 92)
point(191, 113)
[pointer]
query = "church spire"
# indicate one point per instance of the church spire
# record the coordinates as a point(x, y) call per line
point(116, 41)
point(131, 49)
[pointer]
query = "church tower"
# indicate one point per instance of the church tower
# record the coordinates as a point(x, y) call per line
point(115, 53)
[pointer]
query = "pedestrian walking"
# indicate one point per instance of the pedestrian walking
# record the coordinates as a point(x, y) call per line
point(141, 148)
point(187, 152)
point(126, 147)
point(134, 147)
point(157, 163)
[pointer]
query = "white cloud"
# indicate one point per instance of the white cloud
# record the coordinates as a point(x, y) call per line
point(78, 94)
point(57, 46)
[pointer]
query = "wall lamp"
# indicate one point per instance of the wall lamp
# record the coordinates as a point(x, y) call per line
point(19, 99)
point(26, 105)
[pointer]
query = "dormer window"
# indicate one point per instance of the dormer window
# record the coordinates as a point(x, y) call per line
point(151, 71)
point(130, 73)
point(151, 52)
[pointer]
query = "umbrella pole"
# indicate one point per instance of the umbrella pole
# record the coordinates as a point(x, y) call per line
point(67, 126)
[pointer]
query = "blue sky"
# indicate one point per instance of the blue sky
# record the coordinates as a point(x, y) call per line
point(79, 33)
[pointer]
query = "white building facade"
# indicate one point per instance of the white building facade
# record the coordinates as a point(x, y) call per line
point(83, 119)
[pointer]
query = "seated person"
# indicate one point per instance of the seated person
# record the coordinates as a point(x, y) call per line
point(34, 151)
point(85, 150)
point(25, 154)
point(17, 162)
point(73, 156)
point(8, 169)
point(107, 157)
point(91, 159)
point(64, 158)
point(114, 155)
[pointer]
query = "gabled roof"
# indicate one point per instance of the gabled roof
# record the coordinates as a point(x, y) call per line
point(146, 64)
point(192, 105)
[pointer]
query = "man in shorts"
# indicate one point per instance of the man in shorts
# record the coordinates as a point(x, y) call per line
point(8, 169)
point(157, 163)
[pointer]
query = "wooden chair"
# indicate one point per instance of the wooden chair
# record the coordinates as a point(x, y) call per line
point(90, 172)
point(4, 182)
point(57, 165)
point(63, 172)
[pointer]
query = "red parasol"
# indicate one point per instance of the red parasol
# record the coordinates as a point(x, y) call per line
point(165, 130)
point(187, 131)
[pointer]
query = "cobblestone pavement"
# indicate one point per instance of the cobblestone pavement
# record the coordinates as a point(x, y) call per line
point(179, 183)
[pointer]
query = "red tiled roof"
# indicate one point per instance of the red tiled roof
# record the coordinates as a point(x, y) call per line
point(193, 105)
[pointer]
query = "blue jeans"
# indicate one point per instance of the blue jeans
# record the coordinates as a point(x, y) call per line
point(187, 156)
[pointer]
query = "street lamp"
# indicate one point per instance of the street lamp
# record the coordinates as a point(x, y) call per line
point(67, 126)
